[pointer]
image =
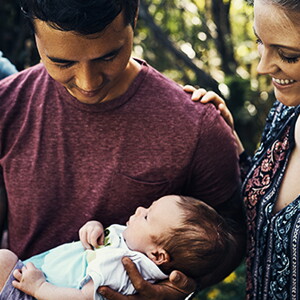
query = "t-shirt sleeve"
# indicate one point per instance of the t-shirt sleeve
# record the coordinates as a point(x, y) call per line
point(214, 173)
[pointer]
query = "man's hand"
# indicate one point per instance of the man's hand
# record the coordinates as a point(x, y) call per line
point(91, 234)
point(29, 279)
point(178, 287)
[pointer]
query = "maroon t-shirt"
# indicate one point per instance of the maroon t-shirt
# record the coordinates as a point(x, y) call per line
point(64, 162)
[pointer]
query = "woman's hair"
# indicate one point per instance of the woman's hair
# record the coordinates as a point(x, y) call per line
point(85, 17)
point(200, 244)
point(293, 5)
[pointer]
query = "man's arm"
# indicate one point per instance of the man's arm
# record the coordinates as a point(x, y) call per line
point(3, 210)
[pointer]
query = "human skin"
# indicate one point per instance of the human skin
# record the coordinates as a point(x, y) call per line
point(93, 68)
point(145, 224)
point(278, 38)
point(278, 33)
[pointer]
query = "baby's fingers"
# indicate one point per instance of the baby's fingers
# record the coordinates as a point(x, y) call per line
point(84, 239)
point(17, 274)
point(96, 237)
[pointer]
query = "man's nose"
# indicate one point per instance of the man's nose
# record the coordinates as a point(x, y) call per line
point(88, 77)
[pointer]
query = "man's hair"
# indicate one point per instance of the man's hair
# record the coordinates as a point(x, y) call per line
point(84, 17)
point(200, 244)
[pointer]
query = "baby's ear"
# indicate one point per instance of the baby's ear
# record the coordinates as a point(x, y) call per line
point(159, 256)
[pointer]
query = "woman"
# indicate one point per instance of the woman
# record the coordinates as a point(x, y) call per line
point(272, 186)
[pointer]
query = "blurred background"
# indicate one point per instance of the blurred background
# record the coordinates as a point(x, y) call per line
point(205, 43)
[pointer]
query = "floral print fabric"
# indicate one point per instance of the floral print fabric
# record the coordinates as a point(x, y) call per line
point(273, 239)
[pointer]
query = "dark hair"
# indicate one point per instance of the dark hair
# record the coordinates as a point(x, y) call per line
point(82, 16)
point(201, 244)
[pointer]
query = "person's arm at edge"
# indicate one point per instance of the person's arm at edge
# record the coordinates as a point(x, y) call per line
point(3, 210)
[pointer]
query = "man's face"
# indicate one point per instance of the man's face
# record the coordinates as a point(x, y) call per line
point(93, 68)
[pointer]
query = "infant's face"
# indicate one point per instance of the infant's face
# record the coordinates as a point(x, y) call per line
point(154, 221)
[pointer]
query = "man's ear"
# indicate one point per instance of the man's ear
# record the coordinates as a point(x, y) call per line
point(159, 256)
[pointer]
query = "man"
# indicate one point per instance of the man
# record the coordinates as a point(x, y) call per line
point(93, 133)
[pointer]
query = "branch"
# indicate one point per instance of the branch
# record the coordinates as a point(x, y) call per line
point(204, 79)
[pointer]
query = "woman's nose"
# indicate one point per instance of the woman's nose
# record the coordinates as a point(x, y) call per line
point(267, 63)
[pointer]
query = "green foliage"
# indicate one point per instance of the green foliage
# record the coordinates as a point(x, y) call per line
point(231, 288)
point(190, 26)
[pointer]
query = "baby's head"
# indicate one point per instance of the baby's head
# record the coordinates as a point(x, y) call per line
point(180, 233)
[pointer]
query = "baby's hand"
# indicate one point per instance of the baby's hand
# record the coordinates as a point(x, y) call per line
point(91, 234)
point(29, 279)
point(209, 96)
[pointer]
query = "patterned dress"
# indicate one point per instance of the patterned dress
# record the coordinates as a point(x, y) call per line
point(273, 260)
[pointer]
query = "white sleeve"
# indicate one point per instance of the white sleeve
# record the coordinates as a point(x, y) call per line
point(107, 269)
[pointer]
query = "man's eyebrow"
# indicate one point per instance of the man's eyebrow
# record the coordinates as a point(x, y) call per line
point(59, 60)
point(66, 61)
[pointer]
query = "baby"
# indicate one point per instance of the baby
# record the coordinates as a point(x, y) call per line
point(174, 233)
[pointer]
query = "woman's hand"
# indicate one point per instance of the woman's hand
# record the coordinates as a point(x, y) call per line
point(91, 234)
point(178, 287)
point(209, 96)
